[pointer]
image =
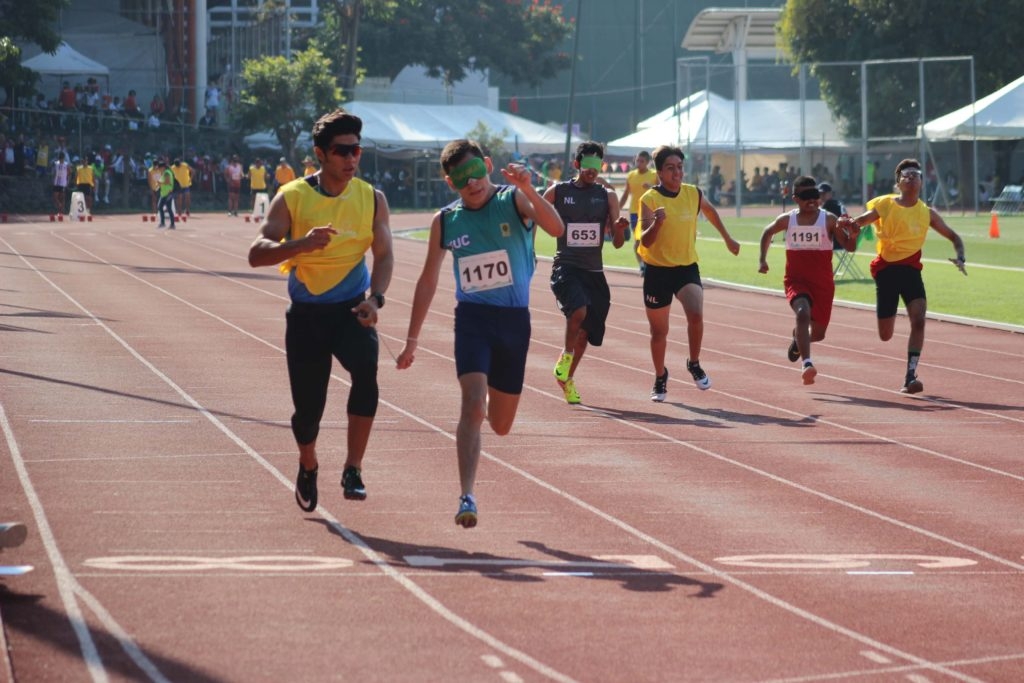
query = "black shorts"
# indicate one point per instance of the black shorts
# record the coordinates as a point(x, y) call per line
point(661, 283)
point(576, 288)
point(893, 283)
point(492, 340)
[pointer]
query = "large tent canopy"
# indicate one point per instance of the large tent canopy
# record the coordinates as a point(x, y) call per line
point(66, 61)
point(705, 120)
point(998, 116)
point(397, 130)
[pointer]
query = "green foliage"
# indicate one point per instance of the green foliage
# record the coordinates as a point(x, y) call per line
point(34, 22)
point(286, 96)
point(492, 143)
point(853, 30)
point(448, 37)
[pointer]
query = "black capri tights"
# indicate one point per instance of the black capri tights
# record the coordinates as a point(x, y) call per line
point(316, 333)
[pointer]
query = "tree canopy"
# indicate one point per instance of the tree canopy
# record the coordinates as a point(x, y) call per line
point(813, 31)
point(33, 22)
point(448, 37)
point(286, 96)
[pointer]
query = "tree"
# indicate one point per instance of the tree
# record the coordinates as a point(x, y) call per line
point(286, 96)
point(33, 22)
point(448, 37)
point(853, 30)
point(813, 31)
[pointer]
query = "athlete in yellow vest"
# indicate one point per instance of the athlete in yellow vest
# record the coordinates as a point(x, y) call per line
point(901, 225)
point(320, 229)
point(638, 181)
point(668, 248)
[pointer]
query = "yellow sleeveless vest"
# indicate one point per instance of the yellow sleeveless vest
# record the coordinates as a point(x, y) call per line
point(350, 213)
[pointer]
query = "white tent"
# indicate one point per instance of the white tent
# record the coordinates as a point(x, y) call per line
point(705, 120)
point(66, 61)
point(998, 116)
point(396, 129)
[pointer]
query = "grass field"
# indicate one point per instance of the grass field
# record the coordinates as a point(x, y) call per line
point(993, 289)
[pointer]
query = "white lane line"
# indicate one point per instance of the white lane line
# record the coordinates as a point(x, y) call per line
point(876, 657)
point(441, 609)
point(879, 572)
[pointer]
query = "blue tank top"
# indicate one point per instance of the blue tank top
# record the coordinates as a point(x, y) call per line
point(492, 250)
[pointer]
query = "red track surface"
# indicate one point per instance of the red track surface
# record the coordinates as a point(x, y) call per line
point(759, 531)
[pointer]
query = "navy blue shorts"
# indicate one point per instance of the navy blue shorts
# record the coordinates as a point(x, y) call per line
point(492, 340)
point(662, 282)
point(894, 282)
point(576, 288)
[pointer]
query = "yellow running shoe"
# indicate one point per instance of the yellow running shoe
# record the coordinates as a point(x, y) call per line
point(572, 397)
point(562, 367)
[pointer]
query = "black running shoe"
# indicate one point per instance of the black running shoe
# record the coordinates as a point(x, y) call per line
point(912, 385)
point(660, 390)
point(352, 483)
point(305, 488)
point(700, 378)
point(793, 352)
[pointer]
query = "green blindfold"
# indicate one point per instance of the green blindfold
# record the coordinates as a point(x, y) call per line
point(592, 163)
point(461, 174)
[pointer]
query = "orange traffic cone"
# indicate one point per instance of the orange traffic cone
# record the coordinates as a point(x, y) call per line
point(993, 227)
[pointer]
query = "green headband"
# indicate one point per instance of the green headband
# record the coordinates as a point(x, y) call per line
point(461, 174)
point(591, 162)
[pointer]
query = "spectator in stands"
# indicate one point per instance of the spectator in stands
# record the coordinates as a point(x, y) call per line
point(156, 106)
point(66, 98)
point(212, 99)
point(209, 119)
point(131, 105)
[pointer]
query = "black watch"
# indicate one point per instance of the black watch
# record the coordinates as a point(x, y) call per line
point(379, 298)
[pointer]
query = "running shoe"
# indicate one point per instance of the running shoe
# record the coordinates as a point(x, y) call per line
point(700, 378)
point(572, 397)
point(809, 372)
point(660, 389)
point(466, 516)
point(562, 367)
point(912, 385)
point(305, 488)
point(352, 483)
point(793, 352)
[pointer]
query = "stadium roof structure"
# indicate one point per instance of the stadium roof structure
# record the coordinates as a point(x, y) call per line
point(746, 32)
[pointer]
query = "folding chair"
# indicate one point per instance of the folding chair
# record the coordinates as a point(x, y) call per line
point(846, 266)
point(1009, 200)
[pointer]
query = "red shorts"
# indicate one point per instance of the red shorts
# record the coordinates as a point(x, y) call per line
point(820, 292)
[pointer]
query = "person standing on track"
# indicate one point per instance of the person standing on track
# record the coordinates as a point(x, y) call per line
point(165, 205)
point(61, 178)
point(668, 247)
point(320, 229)
point(902, 221)
point(489, 231)
point(589, 211)
point(810, 232)
point(638, 181)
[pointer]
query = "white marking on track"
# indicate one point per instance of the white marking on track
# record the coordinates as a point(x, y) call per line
point(877, 657)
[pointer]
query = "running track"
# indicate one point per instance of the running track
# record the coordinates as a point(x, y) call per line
point(759, 531)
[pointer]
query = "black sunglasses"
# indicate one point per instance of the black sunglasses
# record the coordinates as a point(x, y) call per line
point(811, 193)
point(343, 150)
